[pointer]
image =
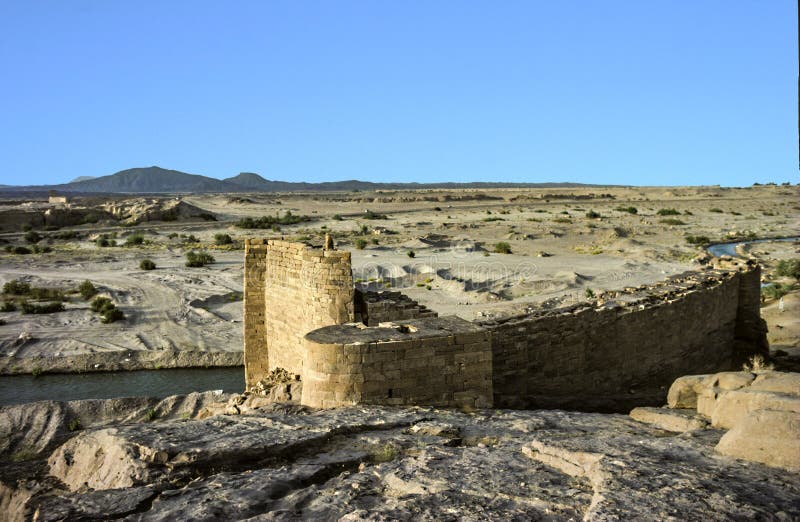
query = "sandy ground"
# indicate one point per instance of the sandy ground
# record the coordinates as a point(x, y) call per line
point(558, 255)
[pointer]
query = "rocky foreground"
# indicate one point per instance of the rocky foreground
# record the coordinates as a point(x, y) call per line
point(214, 457)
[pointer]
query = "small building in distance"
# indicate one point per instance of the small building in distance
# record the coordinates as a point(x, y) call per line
point(55, 199)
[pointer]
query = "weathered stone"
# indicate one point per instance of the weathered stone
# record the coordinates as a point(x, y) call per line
point(733, 406)
point(679, 420)
point(683, 392)
point(770, 437)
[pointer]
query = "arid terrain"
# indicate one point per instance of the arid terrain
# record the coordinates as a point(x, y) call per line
point(476, 253)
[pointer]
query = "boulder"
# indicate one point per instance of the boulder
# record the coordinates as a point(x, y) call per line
point(683, 392)
point(733, 406)
point(779, 382)
point(769, 437)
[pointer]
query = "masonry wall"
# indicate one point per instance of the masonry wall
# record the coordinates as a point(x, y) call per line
point(448, 362)
point(373, 308)
point(290, 289)
point(614, 356)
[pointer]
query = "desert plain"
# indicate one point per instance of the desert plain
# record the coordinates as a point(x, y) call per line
point(476, 253)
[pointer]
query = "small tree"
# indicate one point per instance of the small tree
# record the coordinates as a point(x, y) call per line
point(198, 259)
point(134, 239)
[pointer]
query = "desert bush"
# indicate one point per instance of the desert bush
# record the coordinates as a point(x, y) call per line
point(87, 290)
point(668, 212)
point(74, 425)
point(589, 293)
point(111, 315)
point(16, 287)
point(757, 363)
point(776, 290)
point(134, 239)
point(21, 250)
point(368, 214)
point(562, 220)
point(269, 221)
point(41, 249)
point(715, 210)
point(99, 304)
point(66, 235)
point(50, 294)
point(198, 259)
point(46, 308)
point(222, 239)
point(32, 236)
point(411, 254)
point(8, 306)
point(697, 240)
point(147, 264)
point(502, 248)
point(629, 210)
point(788, 268)
point(337, 217)
point(490, 219)
point(361, 243)
point(593, 215)
point(672, 221)
point(103, 242)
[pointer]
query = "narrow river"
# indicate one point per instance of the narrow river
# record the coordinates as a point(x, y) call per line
point(17, 389)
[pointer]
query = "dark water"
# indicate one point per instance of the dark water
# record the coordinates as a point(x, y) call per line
point(729, 249)
point(17, 389)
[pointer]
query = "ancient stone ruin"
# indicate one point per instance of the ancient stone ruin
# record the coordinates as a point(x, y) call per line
point(303, 315)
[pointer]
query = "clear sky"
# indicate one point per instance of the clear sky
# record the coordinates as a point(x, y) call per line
point(627, 92)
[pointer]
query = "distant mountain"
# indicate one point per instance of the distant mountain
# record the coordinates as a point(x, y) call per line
point(155, 180)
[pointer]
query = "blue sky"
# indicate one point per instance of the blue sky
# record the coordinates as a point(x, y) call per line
point(626, 92)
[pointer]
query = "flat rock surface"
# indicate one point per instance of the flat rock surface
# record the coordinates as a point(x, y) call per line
point(392, 463)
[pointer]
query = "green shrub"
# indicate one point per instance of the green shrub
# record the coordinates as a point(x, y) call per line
point(102, 242)
point(147, 264)
point(112, 314)
point(87, 290)
point(629, 210)
point(716, 210)
point(222, 239)
point(361, 243)
point(668, 212)
point(672, 221)
point(698, 240)
point(100, 304)
point(270, 221)
point(74, 425)
point(16, 287)
point(198, 259)
point(51, 294)
point(502, 248)
point(562, 220)
point(134, 239)
point(490, 219)
point(66, 235)
point(368, 214)
point(36, 371)
point(589, 293)
point(337, 217)
point(21, 250)
point(788, 268)
point(411, 254)
point(8, 306)
point(41, 249)
point(776, 290)
point(47, 308)
point(593, 215)
point(32, 237)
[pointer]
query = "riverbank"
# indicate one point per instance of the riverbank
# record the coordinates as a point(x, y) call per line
point(129, 360)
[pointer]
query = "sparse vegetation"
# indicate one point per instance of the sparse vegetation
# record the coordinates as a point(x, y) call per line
point(8, 306)
point(672, 221)
point(198, 259)
point(562, 220)
point(629, 210)
point(668, 212)
point(589, 293)
point(337, 217)
point(15, 287)
point(266, 222)
point(74, 425)
point(222, 239)
point(698, 240)
point(360, 243)
point(411, 254)
point(87, 290)
point(368, 214)
point(715, 210)
point(147, 264)
point(593, 215)
point(134, 240)
point(46, 308)
point(757, 364)
point(107, 309)
point(776, 290)
point(502, 248)
point(788, 268)
point(32, 236)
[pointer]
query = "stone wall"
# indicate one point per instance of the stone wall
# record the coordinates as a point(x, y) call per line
point(610, 354)
point(373, 308)
point(440, 361)
point(290, 289)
